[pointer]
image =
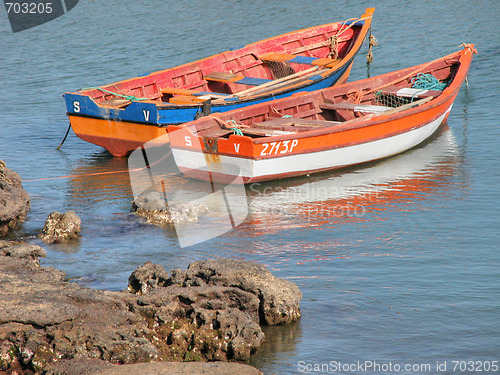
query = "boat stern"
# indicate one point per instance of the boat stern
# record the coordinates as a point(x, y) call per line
point(217, 160)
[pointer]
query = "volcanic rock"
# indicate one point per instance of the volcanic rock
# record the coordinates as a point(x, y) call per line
point(14, 200)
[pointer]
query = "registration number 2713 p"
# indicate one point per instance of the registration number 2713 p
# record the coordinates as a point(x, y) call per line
point(281, 147)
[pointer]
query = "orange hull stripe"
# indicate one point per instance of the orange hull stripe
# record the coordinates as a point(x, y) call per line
point(119, 138)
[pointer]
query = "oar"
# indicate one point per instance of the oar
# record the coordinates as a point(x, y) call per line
point(289, 82)
point(273, 82)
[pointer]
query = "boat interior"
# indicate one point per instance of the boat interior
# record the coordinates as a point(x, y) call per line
point(334, 106)
point(259, 67)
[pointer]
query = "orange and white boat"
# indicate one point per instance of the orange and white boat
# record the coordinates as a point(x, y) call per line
point(331, 128)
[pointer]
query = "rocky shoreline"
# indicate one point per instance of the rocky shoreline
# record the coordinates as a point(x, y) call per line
point(210, 312)
point(203, 320)
point(14, 200)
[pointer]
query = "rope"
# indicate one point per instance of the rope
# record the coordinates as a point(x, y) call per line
point(282, 116)
point(230, 124)
point(234, 126)
point(236, 131)
point(100, 173)
point(356, 95)
point(128, 97)
point(333, 42)
point(66, 136)
point(341, 31)
point(426, 81)
point(372, 43)
point(469, 46)
point(334, 47)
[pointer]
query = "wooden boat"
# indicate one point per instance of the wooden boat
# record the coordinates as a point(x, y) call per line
point(124, 115)
point(332, 128)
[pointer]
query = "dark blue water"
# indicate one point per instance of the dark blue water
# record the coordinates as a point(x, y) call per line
point(398, 261)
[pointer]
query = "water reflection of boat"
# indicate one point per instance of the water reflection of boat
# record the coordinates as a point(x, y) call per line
point(350, 195)
point(396, 183)
point(99, 178)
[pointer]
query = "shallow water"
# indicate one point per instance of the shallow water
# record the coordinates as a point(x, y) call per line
point(398, 261)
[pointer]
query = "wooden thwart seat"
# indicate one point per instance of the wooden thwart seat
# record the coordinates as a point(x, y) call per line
point(308, 60)
point(408, 92)
point(226, 77)
point(346, 106)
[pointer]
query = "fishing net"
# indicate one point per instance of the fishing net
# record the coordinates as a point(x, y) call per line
point(423, 81)
point(390, 100)
point(280, 69)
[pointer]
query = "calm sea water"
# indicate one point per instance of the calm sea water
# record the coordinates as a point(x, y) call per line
point(399, 261)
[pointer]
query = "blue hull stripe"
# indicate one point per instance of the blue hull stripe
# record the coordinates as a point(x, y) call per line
point(148, 113)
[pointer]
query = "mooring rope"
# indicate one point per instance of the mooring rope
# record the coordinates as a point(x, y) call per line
point(334, 47)
point(372, 43)
point(333, 41)
point(100, 173)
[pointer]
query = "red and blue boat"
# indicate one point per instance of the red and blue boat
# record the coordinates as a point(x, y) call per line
point(124, 115)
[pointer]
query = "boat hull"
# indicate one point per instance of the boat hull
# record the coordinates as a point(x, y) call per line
point(258, 170)
point(118, 137)
point(333, 128)
point(121, 137)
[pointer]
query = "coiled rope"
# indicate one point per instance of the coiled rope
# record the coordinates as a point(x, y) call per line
point(234, 126)
point(426, 81)
point(230, 125)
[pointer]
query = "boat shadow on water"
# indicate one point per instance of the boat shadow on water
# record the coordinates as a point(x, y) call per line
point(102, 186)
point(355, 194)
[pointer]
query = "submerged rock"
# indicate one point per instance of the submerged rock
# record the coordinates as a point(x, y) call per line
point(21, 250)
point(207, 313)
point(152, 206)
point(14, 200)
point(61, 227)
